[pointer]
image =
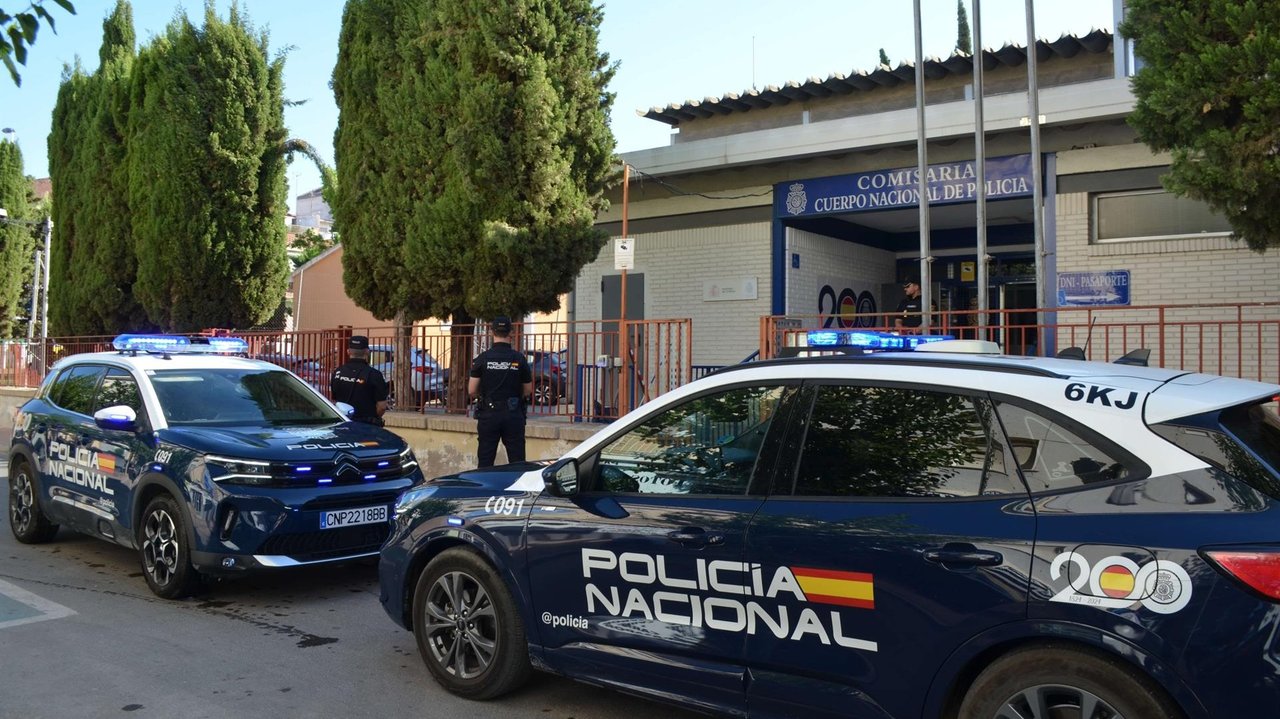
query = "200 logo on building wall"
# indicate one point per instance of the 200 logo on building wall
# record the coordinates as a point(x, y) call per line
point(846, 308)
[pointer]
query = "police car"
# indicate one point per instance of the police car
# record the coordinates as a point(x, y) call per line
point(925, 533)
point(205, 462)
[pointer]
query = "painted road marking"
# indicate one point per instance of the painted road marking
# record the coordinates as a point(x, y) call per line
point(18, 606)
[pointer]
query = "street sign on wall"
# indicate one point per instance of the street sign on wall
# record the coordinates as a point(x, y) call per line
point(1107, 287)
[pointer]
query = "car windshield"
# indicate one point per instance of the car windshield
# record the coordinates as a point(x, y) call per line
point(228, 397)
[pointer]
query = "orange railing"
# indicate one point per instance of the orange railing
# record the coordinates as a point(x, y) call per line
point(1232, 339)
point(585, 371)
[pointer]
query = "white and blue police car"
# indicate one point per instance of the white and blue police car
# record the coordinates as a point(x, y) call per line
point(925, 533)
point(206, 462)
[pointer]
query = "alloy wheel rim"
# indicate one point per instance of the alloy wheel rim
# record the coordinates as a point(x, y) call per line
point(1056, 701)
point(160, 546)
point(460, 625)
point(21, 501)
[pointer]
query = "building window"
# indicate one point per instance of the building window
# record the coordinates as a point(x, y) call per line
point(1153, 215)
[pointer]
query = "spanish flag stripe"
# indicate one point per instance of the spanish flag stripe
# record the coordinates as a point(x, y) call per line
point(831, 574)
point(1116, 580)
point(843, 601)
point(106, 463)
point(836, 588)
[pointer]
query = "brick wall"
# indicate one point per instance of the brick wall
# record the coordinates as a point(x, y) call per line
point(842, 265)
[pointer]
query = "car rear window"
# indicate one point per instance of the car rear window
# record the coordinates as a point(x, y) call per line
point(1249, 448)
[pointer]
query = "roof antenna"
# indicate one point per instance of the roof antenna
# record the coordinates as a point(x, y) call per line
point(753, 63)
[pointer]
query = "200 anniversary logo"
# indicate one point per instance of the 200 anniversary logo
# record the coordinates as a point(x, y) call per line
point(727, 596)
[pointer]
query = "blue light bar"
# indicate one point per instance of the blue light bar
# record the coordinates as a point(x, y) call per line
point(179, 344)
point(454, 521)
point(868, 340)
point(151, 343)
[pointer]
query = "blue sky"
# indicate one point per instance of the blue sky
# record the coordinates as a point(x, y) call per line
point(668, 50)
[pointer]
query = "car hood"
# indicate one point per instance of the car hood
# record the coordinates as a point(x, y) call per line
point(497, 479)
point(304, 442)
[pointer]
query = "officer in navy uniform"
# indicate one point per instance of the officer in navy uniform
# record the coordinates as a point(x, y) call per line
point(911, 309)
point(501, 381)
point(360, 385)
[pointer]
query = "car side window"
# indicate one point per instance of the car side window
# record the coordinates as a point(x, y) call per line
point(871, 441)
point(119, 388)
point(1053, 456)
point(75, 387)
point(707, 445)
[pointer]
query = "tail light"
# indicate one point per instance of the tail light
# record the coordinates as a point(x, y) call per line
point(423, 369)
point(1258, 570)
point(555, 369)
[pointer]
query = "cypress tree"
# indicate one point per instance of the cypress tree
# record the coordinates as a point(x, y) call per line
point(964, 41)
point(71, 251)
point(884, 59)
point(16, 239)
point(206, 175)
point(491, 122)
point(107, 275)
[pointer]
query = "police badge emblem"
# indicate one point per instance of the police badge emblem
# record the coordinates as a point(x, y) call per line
point(796, 199)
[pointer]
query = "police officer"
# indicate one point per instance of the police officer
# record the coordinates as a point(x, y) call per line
point(360, 385)
point(500, 382)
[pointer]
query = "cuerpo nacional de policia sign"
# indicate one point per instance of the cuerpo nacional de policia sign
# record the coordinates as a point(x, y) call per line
point(948, 183)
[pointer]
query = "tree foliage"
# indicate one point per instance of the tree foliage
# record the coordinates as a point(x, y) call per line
point(884, 59)
point(473, 150)
point(69, 173)
point(206, 175)
point(1207, 93)
point(964, 41)
point(17, 244)
point(19, 30)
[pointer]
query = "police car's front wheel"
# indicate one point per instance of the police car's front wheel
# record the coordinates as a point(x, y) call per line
point(28, 523)
point(166, 556)
point(468, 630)
point(1066, 683)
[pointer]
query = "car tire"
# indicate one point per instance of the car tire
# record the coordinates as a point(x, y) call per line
point(165, 551)
point(1026, 681)
point(27, 520)
point(468, 630)
point(544, 395)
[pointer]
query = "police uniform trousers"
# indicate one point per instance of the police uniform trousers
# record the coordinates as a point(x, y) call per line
point(504, 424)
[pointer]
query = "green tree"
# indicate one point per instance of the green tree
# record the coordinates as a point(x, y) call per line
point(964, 41)
point(206, 175)
point(884, 59)
point(110, 264)
point(17, 245)
point(69, 171)
point(17, 31)
point(1207, 94)
point(473, 151)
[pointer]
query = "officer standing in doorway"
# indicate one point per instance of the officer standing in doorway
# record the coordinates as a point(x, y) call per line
point(360, 385)
point(500, 382)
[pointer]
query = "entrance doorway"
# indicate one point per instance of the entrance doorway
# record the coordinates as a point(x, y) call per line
point(1018, 334)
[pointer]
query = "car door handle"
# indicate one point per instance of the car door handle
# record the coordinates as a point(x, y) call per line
point(963, 556)
point(695, 537)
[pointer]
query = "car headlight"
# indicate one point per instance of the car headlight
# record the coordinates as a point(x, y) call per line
point(408, 460)
point(233, 470)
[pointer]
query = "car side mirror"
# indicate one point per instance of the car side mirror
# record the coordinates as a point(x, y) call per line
point(561, 478)
point(119, 417)
point(347, 410)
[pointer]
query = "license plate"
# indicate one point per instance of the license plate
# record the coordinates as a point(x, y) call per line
point(349, 517)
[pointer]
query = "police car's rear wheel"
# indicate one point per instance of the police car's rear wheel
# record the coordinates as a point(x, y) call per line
point(468, 630)
point(166, 558)
point(26, 519)
point(544, 394)
point(1063, 683)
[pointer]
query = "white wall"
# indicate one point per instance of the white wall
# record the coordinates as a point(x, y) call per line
point(840, 264)
point(675, 265)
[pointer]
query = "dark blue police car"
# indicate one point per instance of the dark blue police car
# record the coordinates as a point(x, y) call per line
point(905, 534)
point(207, 463)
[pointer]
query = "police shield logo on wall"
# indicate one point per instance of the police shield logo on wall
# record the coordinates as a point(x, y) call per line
point(796, 199)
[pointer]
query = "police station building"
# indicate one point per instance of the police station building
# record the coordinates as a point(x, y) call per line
point(802, 200)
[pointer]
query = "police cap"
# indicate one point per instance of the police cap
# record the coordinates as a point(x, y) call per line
point(358, 342)
point(501, 324)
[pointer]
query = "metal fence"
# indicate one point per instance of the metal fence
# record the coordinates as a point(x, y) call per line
point(597, 371)
point(1231, 339)
point(583, 371)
